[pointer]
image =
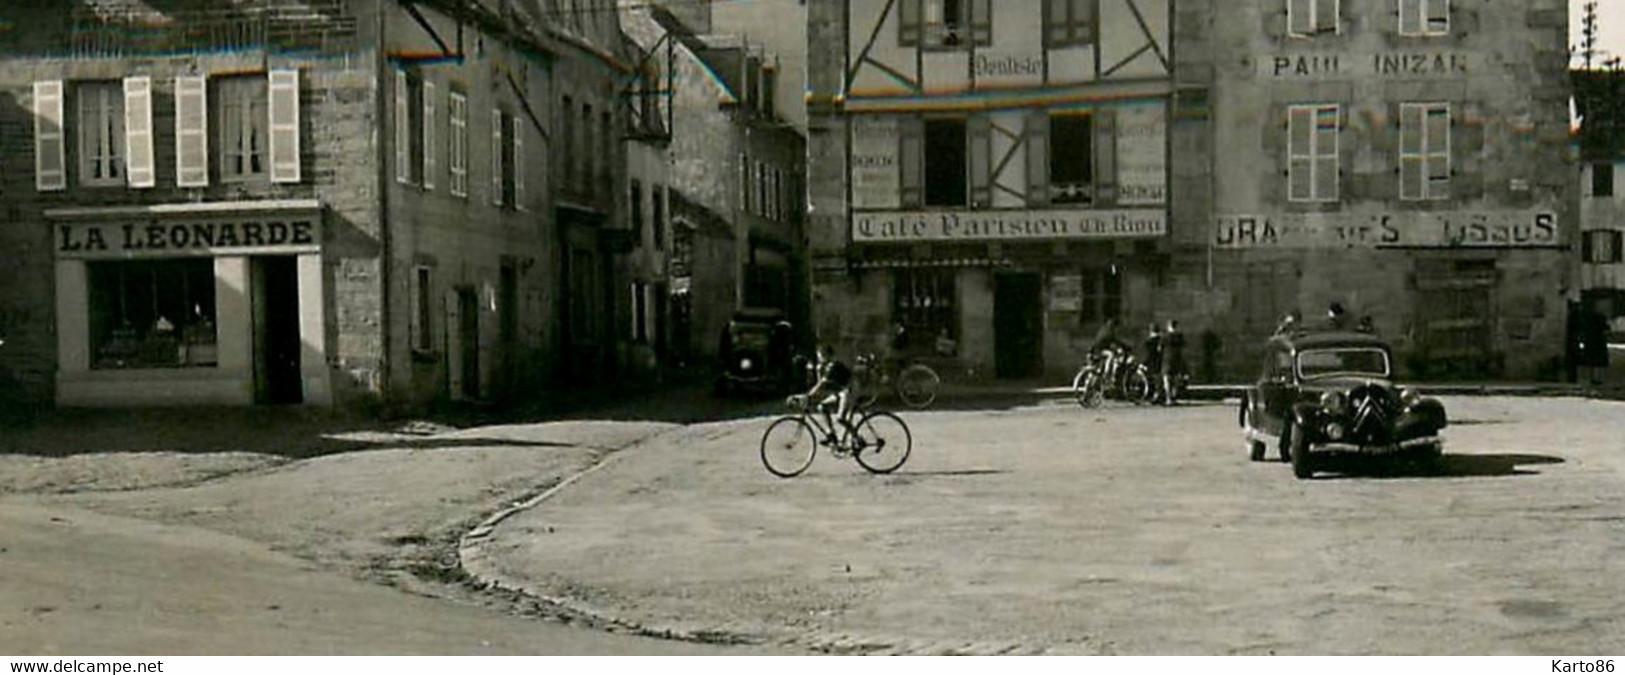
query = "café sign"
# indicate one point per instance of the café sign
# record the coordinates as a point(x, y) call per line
point(1436, 229)
point(922, 226)
point(166, 237)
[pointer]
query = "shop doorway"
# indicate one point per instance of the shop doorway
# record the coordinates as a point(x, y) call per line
point(277, 346)
point(1018, 325)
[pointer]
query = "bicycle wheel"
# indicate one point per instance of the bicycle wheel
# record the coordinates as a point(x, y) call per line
point(1137, 387)
point(917, 385)
point(788, 446)
point(1086, 388)
point(882, 442)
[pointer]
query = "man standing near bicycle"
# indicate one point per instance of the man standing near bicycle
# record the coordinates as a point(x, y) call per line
point(833, 389)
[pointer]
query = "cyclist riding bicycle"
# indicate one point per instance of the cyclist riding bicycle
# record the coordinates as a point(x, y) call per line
point(833, 389)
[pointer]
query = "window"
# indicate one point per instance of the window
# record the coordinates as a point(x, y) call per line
point(243, 128)
point(101, 132)
point(1069, 23)
point(1308, 18)
point(1102, 294)
point(1424, 17)
point(457, 146)
point(589, 151)
point(409, 109)
point(945, 24)
point(507, 147)
point(567, 139)
point(423, 310)
point(944, 162)
point(1602, 179)
point(924, 305)
point(657, 215)
point(606, 168)
point(1601, 247)
point(1312, 167)
point(1424, 151)
point(152, 314)
point(640, 312)
point(1071, 159)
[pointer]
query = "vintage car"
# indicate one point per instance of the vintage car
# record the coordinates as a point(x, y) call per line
point(757, 353)
point(1330, 395)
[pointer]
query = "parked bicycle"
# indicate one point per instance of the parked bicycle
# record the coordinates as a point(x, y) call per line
point(880, 441)
point(916, 384)
point(1116, 374)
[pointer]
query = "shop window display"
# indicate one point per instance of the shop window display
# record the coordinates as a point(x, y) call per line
point(152, 314)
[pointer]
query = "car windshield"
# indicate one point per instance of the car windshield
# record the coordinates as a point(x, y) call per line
point(1313, 363)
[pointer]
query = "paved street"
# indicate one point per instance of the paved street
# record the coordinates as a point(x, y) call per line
point(1051, 529)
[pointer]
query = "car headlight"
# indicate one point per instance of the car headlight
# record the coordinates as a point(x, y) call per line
point(1331, 400)
point(1334, 431)
point(744, 364)
point(1409, 397)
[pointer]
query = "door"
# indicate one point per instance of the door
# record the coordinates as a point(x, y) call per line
point(468, 337)
point(1018, 325)
point(508, 328)
point(277, 346)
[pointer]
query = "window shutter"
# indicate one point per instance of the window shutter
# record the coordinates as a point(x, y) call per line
point(428, 136)
point(1037, 134)
point(191, 131)
point(979, 135)
point(518, 164)
point(138, 160)
point(496, 157)
point(1438, 16)
point(1300, 17)
point(284, 126)
point(910, 156)
point(1105, 156)
point(403, 130)
point(981, 21)
point(1410, 17)
point(50, 154)
point(908, 22)
point(1326, 18)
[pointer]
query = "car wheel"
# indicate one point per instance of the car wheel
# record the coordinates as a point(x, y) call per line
point(1299, 454)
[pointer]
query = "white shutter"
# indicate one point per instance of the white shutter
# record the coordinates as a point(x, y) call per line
point(50, 155)
point(496, 157)
point(138, 160)
point(428, 135)
point(403, 131)
point(284, 126)
point(518, 165)
point(191, 131)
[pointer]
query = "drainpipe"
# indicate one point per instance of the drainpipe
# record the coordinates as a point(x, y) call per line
point(384, 225)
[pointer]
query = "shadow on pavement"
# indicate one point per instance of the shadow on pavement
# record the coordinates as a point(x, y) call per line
point(1449, 466)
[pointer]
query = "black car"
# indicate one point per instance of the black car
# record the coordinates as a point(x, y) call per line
point(757, 353)
point(1330, 394)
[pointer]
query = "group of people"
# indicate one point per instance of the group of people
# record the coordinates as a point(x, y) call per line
point(1164, 355)
point(1337, 318)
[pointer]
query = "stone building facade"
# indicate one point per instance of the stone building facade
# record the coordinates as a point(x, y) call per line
point(989, 179)
point(332, 202)
point(1408, 159)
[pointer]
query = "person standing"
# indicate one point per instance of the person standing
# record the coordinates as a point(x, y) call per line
point(1336, 316)
point(1173, 361)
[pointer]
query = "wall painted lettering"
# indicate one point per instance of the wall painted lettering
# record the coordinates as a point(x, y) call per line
point(1007, 225)
point(1380, 64)
point(188, 237)
point(1436, 229)
point(1142, 154)
point(876, 183)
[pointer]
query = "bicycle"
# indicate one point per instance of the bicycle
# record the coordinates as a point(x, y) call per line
point(1128, 379)
point(916, 384)
point(880, 441)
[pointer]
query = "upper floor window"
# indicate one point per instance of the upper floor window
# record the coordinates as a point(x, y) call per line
point(1424, 151)
point(1601, 247)
point(101, 132)
point(1071, 165)
point(507, 154)
point(1602, 179)
point(1424, 17)
point(945, 157)
point(635, 202)
point(1069, 22)
point(1308, 18)
point(409, 127)
point(244, 128)
point(1312, 166)
point(657, 215)
point(457, 145)
point(945, 24)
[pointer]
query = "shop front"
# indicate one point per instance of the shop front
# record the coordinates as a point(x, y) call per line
point(190, 304)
